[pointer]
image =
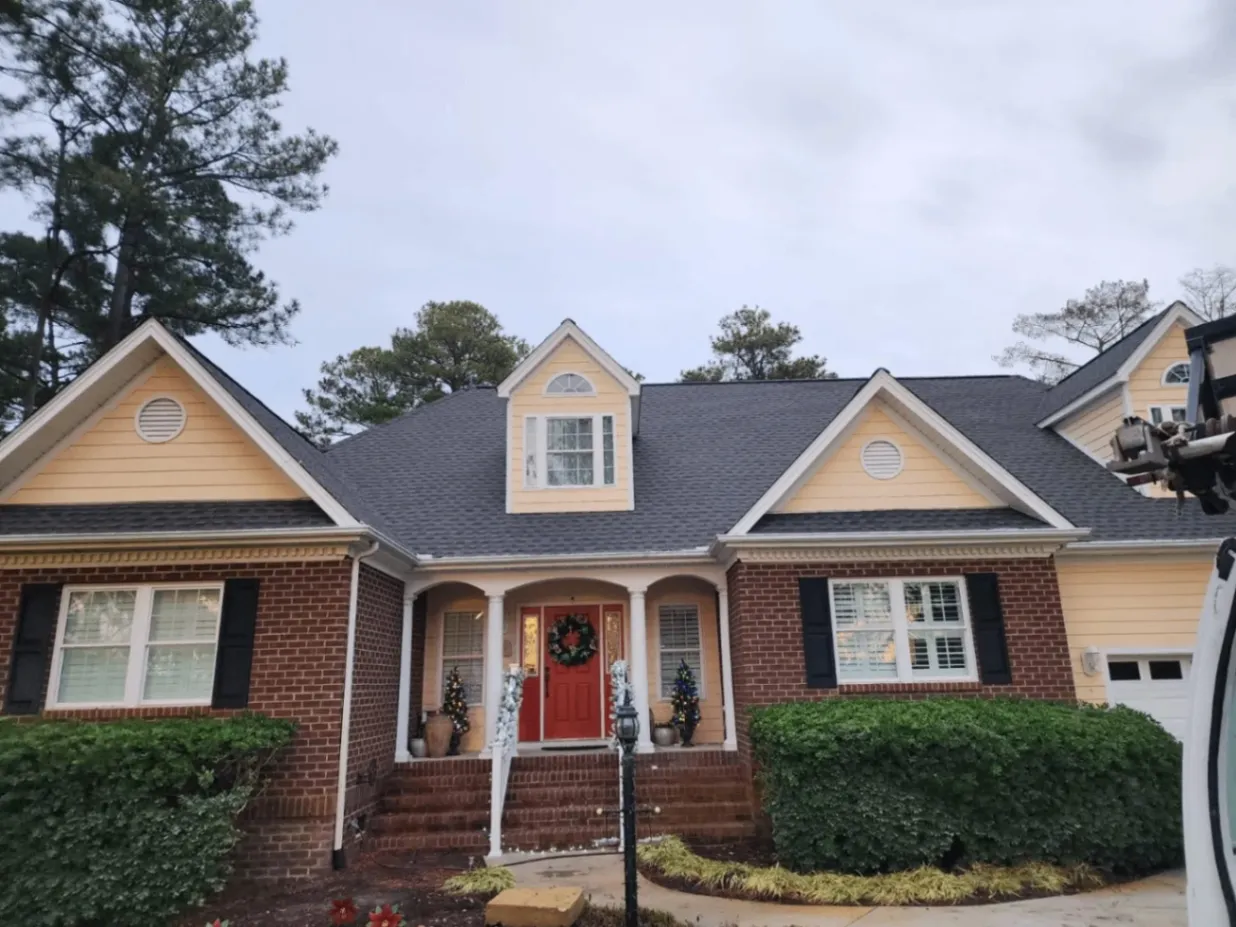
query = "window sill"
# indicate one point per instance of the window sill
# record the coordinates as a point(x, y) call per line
point(124, 706)
point(928, 685)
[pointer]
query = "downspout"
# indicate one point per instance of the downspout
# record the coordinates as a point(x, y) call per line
point(337, 857)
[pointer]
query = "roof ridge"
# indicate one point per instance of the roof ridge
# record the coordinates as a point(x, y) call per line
point(942, 376)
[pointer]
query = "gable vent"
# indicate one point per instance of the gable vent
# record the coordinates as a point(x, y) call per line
point(881, 459)
point(160, 420)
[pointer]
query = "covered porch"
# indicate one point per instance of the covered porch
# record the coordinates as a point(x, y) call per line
point(484, 623)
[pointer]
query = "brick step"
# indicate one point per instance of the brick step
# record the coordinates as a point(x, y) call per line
point(608, 777)
point(397, 783)
point(517, 818)
point(424, 822)
point(535, 838)
point(649, 793)
point(435, 801)
point(477, 841)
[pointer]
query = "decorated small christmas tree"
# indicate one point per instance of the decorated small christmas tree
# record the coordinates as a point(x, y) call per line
point(686, 704)
point(455, 706)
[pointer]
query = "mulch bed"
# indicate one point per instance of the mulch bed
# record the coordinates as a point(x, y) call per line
point(411, 880)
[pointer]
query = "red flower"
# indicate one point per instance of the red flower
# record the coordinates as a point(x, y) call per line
point(571, 639)
point(385, 916)
point(342, 911)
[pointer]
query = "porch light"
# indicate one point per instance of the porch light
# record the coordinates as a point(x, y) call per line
point(627, 726)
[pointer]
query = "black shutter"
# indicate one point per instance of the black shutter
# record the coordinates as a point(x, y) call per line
point(32, 645)
point(817, 633)
point(987, 617)
point(235, 658)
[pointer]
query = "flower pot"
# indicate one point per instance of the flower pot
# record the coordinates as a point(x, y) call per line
point(664, 736)
point(685, 733)
point(438, 731)
point(418, 748)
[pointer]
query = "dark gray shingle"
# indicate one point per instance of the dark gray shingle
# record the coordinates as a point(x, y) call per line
point(159, 516)
point(896, 520)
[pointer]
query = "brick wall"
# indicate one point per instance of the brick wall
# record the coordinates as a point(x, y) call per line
point(375, 693)
point(298, 658)
point(767, 641)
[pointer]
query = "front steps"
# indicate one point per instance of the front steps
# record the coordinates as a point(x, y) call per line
point(552, 801)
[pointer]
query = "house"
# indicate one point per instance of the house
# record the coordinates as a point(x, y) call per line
point(170, 546)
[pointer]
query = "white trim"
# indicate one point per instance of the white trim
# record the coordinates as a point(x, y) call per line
point(727, 667)
point(1176, 312)
point(111, 538)
point(1172, 366)
point(592, 390)
point(883, 384)
point(510, 466)
point(901, 458)
point(696, 556)
point(137, 419)
point(901, 631)
point(568, 329)
point(1184, 545)
point(1176, 651)
point(880, 538)
point(404, 707)
point(138, 646)
point(662, 696)
point(598, 450)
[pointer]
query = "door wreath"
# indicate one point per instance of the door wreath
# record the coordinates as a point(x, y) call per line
point(572, 640)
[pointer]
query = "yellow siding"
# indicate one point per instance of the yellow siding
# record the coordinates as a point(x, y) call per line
point(925, 482)
point(611, 399)
point(210, 460)
point(1146, 381)
point(1094, 427)
point(688, 592)
point(1121, 602)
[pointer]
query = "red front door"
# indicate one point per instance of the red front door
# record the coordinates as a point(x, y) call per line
point(572, 693)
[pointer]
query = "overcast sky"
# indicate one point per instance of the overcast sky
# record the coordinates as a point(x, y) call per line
point(898, 178)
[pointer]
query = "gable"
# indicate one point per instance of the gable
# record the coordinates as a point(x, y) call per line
point(1146, 387)
point(926, 480)
point(107, 461)
point(1093, 428)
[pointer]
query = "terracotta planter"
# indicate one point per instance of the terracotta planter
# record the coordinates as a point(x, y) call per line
point(438, 730)
point(664, 736)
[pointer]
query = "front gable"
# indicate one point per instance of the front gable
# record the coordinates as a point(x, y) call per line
point(916, 475)
point(108, 461)
point(1150, 386)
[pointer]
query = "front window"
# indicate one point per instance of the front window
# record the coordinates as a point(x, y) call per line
point(893, 630)
point(463, 648)
point(568, 451)
point(1160, 414)
point(137, 645)
point(679, 627)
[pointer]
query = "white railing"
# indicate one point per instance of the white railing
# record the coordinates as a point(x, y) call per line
point(502, 750)
point(622, 692)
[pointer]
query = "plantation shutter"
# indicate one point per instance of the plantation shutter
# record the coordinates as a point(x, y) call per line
point(235, 654)
point(32, 646)
point(987, 617)
point(817, 633)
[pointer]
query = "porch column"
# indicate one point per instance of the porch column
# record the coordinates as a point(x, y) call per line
point(727, 668)
point(405, 682)
point(639, 669)
point(493, 670)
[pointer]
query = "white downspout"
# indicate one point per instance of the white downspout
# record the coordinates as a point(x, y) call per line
point(338, 859)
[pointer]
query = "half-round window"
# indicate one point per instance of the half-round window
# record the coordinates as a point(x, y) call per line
point(881, 459)
point(160, 420)
point(1177, 374)
point(571, 384)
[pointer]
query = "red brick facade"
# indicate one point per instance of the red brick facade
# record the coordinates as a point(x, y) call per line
point(767, 635)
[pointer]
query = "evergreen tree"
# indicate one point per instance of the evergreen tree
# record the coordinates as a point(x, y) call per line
point(686, 703)
point(752, 347)
point(455, 706)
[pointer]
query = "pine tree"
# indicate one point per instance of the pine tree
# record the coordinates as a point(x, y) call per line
point(455, 706)
point(686, 703)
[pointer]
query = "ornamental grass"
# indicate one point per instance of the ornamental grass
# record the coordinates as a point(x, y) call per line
point(485, 881)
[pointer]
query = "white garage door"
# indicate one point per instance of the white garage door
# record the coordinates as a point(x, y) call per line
point(1155, 684)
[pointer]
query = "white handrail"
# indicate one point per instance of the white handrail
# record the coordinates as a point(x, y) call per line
point(502, 750)
point(622, 692)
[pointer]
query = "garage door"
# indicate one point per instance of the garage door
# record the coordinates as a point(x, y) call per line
point(1157, 685)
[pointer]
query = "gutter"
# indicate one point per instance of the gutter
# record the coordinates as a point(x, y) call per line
point(896, 538)
point(338, 857)
point(112, 538)
point(1181, 545)
point(514, 561)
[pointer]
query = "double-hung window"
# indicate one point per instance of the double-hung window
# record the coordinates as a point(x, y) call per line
point(136, 645)
point(901, 630)
point(563, 451)
point(463, 648)
point(1160, 414)
point(679, 629)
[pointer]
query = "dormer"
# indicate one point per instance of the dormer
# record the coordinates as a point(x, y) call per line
point(571, 419)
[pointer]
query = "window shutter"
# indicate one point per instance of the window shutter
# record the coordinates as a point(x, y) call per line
point(32, 646)
point(817, 633)
point(235, 654)
point(531, 478)
point(987, 617)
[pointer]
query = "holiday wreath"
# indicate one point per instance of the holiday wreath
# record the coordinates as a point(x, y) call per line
point(572, 640)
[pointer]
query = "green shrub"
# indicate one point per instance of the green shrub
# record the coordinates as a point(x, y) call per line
point(866, 785)
point(127, 822)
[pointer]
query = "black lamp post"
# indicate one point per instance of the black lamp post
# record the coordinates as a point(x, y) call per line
point(627, 725)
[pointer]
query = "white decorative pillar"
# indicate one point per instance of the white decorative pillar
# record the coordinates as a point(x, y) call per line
point(639, 668)
point(405, 682)
point(727, 668)
point(493, 669)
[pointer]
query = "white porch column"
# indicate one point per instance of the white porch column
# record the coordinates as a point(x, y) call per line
point(639, 669)
point(727, 668)
point(493, 669)
point(405, 682)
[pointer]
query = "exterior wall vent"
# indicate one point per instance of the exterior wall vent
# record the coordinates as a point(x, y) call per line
point(882, 459)
point(160, 420)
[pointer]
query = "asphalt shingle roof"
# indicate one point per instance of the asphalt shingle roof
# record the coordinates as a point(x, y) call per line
point(159, 516)
point(896, 520)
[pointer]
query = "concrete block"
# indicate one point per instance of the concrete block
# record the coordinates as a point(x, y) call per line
point(536, 907)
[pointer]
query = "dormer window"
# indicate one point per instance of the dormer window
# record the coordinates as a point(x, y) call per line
point(566, 451)
point(1177, 374)
point(570, 384)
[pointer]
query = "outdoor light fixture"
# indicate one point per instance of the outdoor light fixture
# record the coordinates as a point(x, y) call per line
point(626, 727)
point(1196, 456)
point(1091, 661)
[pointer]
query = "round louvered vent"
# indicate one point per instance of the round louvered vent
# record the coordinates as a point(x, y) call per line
point(160, 420)
point(882, 459)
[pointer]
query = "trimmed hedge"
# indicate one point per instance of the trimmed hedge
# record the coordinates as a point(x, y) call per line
point(126, 822)
point(870, 785)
